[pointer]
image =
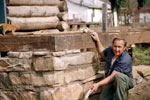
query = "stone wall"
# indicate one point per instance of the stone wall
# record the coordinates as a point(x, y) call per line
point(44, 75)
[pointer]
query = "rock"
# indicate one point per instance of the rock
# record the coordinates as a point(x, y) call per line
point(13, 68)
point(46, 95)
point(4, 62)
point(43, 63)
point(141, 72)
point(81, 73)
point(15, 78)
point(26, 63)
point(61, 63)
point(41, 53)
point(20, 54)
point(87, 86)
point(26, 78)
point(4, 81)
point(4, 95)
point(54, 78)
point(58, 54)
point(62, 53)
point(72, 91)
point(37, 80)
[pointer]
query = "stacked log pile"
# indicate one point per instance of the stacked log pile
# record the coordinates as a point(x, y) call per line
point(38, 14)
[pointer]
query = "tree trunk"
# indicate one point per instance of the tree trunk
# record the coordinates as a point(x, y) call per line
point(35, 23)
point(32, 11)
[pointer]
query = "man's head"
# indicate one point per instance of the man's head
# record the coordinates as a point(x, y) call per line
point(119, 45)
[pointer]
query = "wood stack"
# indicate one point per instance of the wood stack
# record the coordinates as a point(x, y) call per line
point(38, 14)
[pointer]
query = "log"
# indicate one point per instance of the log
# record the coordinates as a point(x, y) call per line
point(63, 26)
point(32, 11)
point(63, 6)
point(35, 23)
point(63, 16)
point(33, 2)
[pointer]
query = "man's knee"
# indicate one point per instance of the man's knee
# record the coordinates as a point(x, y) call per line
point(119, 78)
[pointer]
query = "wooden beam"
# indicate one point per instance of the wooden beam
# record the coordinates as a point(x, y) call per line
point(35, 23)
point(26, 43)
point(65, 41)
point(32, 11)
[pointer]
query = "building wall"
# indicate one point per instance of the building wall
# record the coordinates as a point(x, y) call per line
point(77, 12)
point(144, 17)
point(83, 13)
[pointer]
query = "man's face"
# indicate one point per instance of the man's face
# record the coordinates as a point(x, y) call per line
point(118, 47)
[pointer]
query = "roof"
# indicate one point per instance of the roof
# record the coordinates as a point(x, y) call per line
point(91, 3)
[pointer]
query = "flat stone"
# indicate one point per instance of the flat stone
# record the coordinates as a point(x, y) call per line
point(26, 78)
point(4, 62)
point(37, 80)
point(20, 54)
point(72, 91)
point(54, 78)
point(41, 53)
point(61, 63)
point(26, 63)
point(81, 73)
point(43, 63)
point(16, 67)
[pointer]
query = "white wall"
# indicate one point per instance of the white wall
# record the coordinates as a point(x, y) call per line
point(97, 15)
point(79, 12)
point(146, 15)
point(83, 13)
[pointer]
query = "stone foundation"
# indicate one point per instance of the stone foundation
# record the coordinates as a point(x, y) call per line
point(44, 75)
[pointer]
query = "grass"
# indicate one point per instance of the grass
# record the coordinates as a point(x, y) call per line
point(141, 54)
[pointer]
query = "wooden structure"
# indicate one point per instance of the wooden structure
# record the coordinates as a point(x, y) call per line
point(65, 41)
point(38, 14)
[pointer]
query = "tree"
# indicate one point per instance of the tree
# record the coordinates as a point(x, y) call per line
point(141, 3)
point(118, 4)
point(128, 6)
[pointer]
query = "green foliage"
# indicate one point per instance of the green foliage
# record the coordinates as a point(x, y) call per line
point(141, 54)
point(117, 4)
point(141, 3)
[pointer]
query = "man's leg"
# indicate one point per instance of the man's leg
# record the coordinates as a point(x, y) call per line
point(107, 92)
point(122, 83)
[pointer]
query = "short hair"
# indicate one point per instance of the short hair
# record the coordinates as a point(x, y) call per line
point(120, 38)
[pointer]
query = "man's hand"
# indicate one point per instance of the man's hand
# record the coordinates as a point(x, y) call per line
point(94, 87)
point(94, 36)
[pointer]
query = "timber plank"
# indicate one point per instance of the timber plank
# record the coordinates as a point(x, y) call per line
point(61, 42)
point(25, 43)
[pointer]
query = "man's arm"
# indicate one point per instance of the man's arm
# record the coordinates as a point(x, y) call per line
point(98, 44)
point(103, 82)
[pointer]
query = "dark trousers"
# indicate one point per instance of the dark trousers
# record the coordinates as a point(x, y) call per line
point(118, 88)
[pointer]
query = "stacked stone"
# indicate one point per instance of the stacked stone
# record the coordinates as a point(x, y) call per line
point(44, 75)
point(38, 14)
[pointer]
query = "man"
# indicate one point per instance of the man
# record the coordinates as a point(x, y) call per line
point(118, 70)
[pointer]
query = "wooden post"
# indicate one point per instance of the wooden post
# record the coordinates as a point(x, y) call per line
point(2, 12)
point(104, 18)
point(116, 19)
